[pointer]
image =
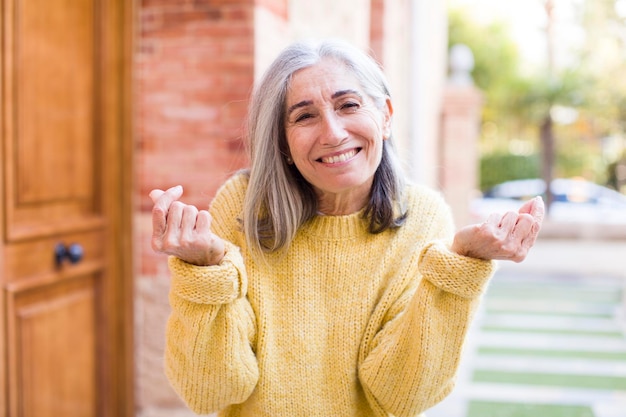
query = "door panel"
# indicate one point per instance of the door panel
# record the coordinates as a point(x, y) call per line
point(54, 100)
point(54, 364)
point(65, 320)
point(32, 259)
point(55, 104)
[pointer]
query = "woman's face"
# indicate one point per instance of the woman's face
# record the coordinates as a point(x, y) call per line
point(335, 131)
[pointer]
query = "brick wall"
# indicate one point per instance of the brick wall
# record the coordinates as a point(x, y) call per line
point(194, 67)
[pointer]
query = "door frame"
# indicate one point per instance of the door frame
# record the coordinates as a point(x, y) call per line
point(117, 201)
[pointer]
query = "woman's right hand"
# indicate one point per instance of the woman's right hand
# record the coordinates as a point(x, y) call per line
point(182, 230)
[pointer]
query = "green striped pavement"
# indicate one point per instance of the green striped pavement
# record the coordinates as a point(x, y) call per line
point(544, 345)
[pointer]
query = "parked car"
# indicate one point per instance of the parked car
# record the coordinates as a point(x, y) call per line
point(574, 200)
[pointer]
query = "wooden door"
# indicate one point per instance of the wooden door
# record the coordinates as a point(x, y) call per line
point(66, 321)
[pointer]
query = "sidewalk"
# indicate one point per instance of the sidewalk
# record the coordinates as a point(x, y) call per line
point(549, 340)
point(585, 256)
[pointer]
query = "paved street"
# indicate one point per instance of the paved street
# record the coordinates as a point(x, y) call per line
point(549, 340)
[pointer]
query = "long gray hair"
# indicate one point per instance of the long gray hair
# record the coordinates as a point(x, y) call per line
point(278, 199)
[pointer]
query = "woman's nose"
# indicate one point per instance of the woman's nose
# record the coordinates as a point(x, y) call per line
point(333, 131)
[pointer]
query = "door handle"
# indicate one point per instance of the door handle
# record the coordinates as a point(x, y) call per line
point(73, 253)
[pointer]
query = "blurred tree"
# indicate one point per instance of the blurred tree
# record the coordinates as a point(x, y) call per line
point(496, 71)
point(574, 107)
point(604, 56)
point(505, 113)
point(617, 174)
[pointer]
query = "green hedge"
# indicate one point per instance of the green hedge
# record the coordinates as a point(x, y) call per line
point(500, 167)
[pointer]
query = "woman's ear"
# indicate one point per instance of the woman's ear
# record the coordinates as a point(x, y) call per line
point(387, 116)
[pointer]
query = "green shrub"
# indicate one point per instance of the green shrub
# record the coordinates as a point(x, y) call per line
point(500, 167)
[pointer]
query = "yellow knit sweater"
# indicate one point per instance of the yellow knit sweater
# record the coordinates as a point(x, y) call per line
point(346, 324)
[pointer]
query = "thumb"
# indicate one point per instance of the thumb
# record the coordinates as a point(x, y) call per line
point(165, 198)
point(535, 208)
point(155, 194)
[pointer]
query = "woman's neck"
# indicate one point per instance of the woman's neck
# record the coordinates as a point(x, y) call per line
point(338, 205)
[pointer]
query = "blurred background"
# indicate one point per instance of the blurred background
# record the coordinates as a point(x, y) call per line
point(495, 102)
point(554, 103)
point(549, 340)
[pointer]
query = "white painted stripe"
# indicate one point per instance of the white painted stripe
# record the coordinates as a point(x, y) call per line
point(554, 342)
point(543, 394)
point(550, 306)
point(550, 365)
point(534, 321)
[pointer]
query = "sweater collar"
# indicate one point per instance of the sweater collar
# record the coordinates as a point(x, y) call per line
point(341, 227)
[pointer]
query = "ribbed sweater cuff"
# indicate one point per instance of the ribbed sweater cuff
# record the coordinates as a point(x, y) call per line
point(460, 275)
point(218, 284)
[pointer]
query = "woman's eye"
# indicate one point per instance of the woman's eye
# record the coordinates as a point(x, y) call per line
point(349, 106)
point(303, 117)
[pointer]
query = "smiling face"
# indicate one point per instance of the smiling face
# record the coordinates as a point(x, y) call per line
point(335, 134)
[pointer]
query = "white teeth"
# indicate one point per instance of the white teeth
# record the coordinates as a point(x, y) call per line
point(339, 158)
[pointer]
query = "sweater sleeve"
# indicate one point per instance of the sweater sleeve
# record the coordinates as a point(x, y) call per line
point(414, 357)
point(210, 335)
point(410, 360)
point(209, 358)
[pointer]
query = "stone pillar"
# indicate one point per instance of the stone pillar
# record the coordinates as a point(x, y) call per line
point(460, 127)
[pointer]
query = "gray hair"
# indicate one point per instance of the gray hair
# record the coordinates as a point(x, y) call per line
point(278, 199)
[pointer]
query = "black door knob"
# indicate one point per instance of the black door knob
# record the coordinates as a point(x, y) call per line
point(73, 253)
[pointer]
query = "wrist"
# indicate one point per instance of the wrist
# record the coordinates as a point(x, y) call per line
point(458, 248)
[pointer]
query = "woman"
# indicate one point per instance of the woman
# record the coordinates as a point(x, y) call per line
point(318, 283)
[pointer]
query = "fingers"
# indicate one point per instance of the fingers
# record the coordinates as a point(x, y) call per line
point(539, 210)
point(188, 222)
point(175, 216)
point(508, 221)
point(187, 219)
point(529, 218)
point(181, 226)
point(535, 208)
point(162, 202)
point(523, 225)
point(532, 213)
point(506, 237)
point(182, 230)
point(203, 222)
point(523, 233)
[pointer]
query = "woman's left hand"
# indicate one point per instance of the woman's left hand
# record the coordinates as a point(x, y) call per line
point(505, 237)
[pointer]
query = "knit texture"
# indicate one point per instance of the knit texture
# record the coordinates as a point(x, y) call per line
point(347, 323)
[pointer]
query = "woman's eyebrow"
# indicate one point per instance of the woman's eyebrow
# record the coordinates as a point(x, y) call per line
point(302, 103)
point(346, 92)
